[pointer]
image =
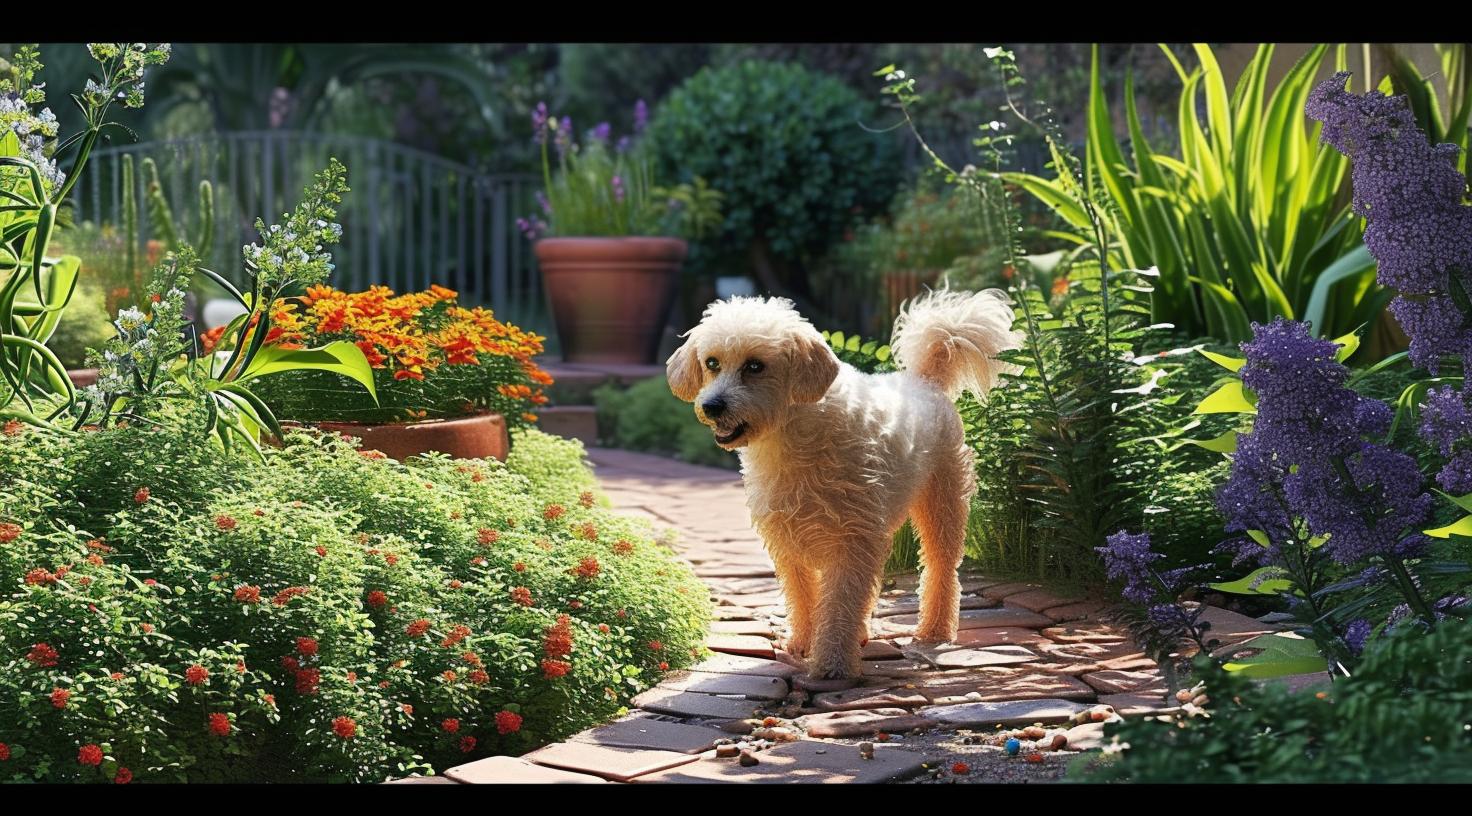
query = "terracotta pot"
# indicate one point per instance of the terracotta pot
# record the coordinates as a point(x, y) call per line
point(482, 436)
point(82, 377)
point(610, 296)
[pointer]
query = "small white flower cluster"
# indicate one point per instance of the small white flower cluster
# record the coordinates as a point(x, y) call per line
point(295, 251)
point(32, 130)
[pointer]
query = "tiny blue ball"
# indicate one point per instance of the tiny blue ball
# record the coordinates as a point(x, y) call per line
point(1013, 746)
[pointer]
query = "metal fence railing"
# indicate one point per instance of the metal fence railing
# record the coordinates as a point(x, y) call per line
point(411, 219)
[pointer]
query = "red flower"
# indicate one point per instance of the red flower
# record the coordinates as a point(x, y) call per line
point(479, 677)
point(196, 674)
point(90, 755)
point(94, 559)
point(417, 628)
point(478, 560)
point(306, 647)
point(487, 536)
point(575, 604)
point(587, 568)
point(450, 725)
point(240, 667)
point(622, 547)
point(656, 646)
point(586, 498)
point(345, 727)
point(13, 427)
point(219, 724)
point(290, 663)
point(519, 566)
point(307, 681)
point(258, 512)
point(287, 594)
point(40, 575)
point(553, 669)
point(1034, 758)
point(557, 641)
point(142, 495)
point(4, 749)
point(521, 595)
point(553, 512)
point(248, 594)
point(508, 722)
point(407, 709)
point(588, 531)
point(467, 744)
point(146, 627)
point(664, 667)
point(116, 675)
point(621, 613)
point(352, 677)
point(457, 634)
point(9, 532)
point(59, 696)
point(270, 699)
point(455, 584)
point(960, 769)
point(449, 676)
point(42, 655)
point(149, 582)
point(603, 627)
point(377, 598)
point(123, 777)
point(321, 551)
point(225, 522)
point(470, 657)
point(391, 559)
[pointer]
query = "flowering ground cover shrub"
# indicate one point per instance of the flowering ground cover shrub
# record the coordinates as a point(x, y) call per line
point(1402, 717)
point(322, 614)
point(431, 358)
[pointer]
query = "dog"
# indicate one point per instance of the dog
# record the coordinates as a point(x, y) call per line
point(835, 460)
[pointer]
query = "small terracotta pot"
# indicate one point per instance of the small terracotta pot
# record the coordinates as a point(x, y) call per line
point(610, 296)
point(482, 436)
point(82, 377)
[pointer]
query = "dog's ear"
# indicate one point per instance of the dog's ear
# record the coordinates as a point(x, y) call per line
point(682, 370)
point(814, 367)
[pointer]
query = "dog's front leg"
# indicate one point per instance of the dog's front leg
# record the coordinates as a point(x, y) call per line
point(800, 588)
point(848, 595)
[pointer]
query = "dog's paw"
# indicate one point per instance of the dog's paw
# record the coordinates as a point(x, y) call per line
point(935, 635)
point(798, 647)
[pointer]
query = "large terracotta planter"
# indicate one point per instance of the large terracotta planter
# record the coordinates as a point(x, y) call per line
point(610, 296)
point(483, 436)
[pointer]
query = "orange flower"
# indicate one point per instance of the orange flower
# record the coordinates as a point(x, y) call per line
point(345, 727)
point(196, 674)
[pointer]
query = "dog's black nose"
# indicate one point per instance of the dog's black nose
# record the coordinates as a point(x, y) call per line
point(713, 407)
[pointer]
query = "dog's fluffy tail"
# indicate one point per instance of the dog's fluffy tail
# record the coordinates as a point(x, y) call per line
point(951, 339)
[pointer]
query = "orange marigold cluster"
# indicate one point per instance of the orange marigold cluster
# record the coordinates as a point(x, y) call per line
point(219, 724)
point(42, 655)
point(196, 674)
point(587, 568)
point(553, 512)
point(521, 595)
point(287, 594)
point(9, 532)
point(553, 669)
point(457, 633)
point(622, 547)
point(248, 594)
point(345, 727)
point(395, 332)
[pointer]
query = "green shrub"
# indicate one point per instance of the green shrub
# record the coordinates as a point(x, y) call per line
point(85, 324)
point(1402, 717)
point(786, 148)
point(647, 417)
point(321, 615)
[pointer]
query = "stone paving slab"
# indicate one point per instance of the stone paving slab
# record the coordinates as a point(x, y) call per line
point(994, 656)
point(642, 731)
point(1073, 611)
point(862, 698)
point(694, 704)
point(504, 770)
point(861, 722)
point(911, 606)
point(801, 762)
point(1017, 712)
point(749, 645)
point(608, 762)
point(1037, 600)
point(1125, 682)
point(743, 664)
point(757, 628)
point(744, 685)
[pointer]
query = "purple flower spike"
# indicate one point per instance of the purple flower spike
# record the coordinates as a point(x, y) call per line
point(545, 204)
point(539, 122)
point(641, 116)
point(602, 132)
point(618, 188)
point(1127, 558)
point(564, 136)
point(623, 144)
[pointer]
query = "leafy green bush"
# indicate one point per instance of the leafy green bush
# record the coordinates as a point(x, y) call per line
point(1402, 717)
point(647, 417)
point(785, 147)
point(325, 614)
point(86, 324)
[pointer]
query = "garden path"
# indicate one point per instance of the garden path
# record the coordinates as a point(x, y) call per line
point(1025, 657)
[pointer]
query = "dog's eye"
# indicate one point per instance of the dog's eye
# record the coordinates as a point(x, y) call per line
point(713, 364)
point(753, 367)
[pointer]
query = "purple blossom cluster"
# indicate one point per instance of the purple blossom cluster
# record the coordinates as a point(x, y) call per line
point(1127, 558)
point(1306, 457)
point(1418, 230)
point(532, 228)
point(1446, 422)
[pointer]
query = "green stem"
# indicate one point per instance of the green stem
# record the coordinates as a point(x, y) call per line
point(1408, 588)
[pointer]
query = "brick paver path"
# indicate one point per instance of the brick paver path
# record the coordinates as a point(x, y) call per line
point(1024, 657)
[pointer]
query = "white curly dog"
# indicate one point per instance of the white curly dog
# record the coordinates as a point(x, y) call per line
point(835, 460)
